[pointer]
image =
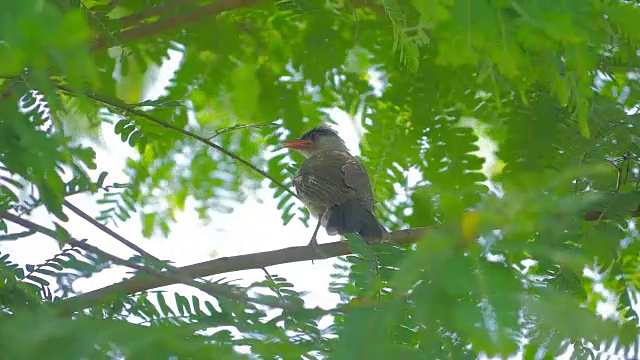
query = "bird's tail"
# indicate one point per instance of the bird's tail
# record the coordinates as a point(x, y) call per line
point(351, 217)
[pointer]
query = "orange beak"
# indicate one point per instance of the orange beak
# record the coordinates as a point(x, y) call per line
point(297, 144)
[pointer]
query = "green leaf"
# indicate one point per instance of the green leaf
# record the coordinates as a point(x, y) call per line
point(246, 88)
point(120, 126)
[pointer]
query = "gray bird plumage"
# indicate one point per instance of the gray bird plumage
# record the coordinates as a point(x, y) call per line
point(335, 187)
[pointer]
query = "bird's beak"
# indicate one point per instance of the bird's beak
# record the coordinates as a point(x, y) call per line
point(297, 144)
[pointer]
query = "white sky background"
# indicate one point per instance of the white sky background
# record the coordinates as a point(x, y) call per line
point(254, 226)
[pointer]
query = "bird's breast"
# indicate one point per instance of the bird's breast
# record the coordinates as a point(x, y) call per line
point(305, 190)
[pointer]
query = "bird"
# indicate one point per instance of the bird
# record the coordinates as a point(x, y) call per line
point(335, 187)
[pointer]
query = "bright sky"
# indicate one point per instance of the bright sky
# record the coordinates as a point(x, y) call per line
point(253, 226)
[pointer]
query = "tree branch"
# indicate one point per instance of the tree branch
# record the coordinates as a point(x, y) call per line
point(253, 261)
point(178, 20)
point(121, 105)
point(194, 15)
point(148, 12)
point(170, 275)
point(230, 264)
point(597, 215)
point(371, 4)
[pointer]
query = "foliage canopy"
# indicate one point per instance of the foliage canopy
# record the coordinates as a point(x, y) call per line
point(554, 84)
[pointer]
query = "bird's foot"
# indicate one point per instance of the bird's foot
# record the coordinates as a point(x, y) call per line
point(314, 245)
point(313, 242)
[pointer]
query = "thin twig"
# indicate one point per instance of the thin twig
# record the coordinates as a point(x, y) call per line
point(119, 104)
point(16, 236)
point(29, 225)
point(239, 127)
point(38, 202)
point(275, 289)
point(108, 231)
point(209, 288)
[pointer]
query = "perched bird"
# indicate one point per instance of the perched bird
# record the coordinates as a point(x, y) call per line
point(335, 187)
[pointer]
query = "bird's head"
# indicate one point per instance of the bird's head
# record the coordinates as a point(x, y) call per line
point(320, 138)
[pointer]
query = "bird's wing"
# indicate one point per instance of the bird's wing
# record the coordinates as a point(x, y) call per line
point(320, 190)
point(356, 177)
point(332, 177)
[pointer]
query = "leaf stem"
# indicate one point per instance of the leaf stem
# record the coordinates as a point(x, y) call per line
point(109, 232)
point(119, 104)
